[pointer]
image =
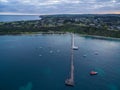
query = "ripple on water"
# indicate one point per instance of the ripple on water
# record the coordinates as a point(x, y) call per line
point(100, 71)
point(27, 87)
point(113, 87)
point(47, 71)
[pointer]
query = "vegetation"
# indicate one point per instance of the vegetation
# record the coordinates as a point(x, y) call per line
point(102, 25)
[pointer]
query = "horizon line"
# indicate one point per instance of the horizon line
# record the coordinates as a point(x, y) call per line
point(116, 13)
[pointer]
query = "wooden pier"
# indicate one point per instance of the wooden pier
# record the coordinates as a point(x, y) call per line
point(70, 81)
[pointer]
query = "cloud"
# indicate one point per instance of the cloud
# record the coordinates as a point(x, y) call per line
point(59, 6)
point(4, 1)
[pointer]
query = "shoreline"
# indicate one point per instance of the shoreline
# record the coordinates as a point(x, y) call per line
point(99, 37)
point(82, 35)
point(30, 33)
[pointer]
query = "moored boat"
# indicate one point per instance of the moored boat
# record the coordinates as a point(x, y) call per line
point(93, 73)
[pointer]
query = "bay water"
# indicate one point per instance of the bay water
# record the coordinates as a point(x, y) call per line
point(42, 62)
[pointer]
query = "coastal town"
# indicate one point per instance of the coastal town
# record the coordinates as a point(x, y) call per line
point(109, 22)
point(105, 25)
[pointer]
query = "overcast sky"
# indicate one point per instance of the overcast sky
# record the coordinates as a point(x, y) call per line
point(59, 6)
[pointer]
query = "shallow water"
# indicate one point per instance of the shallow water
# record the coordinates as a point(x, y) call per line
point(9, 18)
point(42, 62)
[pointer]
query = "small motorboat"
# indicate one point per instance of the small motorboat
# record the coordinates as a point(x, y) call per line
point(84, 55)
point(51, 51)
point(40, 55)
point(96, 53)
point(93, 73)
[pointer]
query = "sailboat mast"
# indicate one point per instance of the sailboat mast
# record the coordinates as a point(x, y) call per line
point(72, 40)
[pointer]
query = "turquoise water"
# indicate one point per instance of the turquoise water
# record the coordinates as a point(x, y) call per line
point(9, 18)
point(42, 62)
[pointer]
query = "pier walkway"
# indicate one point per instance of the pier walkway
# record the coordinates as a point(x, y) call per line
point(70, 81)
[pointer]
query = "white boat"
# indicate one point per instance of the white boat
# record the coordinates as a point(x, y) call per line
point(96, 53)
point(73, 46)
point(84, 55)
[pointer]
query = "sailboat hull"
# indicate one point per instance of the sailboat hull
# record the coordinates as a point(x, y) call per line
point(75, 48)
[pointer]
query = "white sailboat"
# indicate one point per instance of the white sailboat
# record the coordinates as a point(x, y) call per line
point(73, 45)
